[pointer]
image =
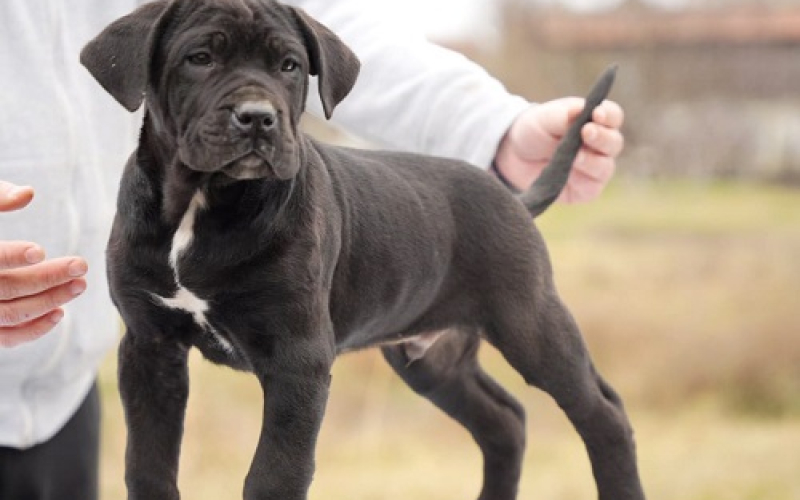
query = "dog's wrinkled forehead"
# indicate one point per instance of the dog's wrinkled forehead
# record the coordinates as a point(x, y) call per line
point(237, 11)
point(246, 27)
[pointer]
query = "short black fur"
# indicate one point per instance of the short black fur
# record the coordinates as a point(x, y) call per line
point(272, 253)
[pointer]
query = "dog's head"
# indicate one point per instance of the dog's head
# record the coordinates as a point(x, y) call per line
point(225, 80)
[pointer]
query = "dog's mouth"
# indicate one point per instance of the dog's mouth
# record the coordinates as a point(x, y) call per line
point(252, 164)
point(243, 159)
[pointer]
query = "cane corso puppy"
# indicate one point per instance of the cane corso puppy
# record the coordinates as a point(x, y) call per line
point(272, 253)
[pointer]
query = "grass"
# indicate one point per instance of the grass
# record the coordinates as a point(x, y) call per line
point(698, 284)
point(688, 298)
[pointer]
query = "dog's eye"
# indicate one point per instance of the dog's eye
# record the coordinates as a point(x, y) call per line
point(289, 65)
point(202, 58)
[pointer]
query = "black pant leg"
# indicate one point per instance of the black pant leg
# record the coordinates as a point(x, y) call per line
point(63, 468)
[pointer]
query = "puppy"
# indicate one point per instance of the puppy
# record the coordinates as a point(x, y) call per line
point(272, 253)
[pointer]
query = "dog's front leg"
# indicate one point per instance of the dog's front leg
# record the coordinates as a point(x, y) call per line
point(295, 388)
point(154, 386)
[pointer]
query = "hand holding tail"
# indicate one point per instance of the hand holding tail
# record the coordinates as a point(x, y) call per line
point(531, 142)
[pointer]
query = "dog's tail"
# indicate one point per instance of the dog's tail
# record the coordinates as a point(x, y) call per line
point(551, 182)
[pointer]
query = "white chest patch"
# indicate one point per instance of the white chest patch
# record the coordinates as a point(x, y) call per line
point(185, 234)
point(184, 299)
point(189, 302)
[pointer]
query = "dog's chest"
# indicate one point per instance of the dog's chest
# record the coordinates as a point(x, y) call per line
point(184, 299)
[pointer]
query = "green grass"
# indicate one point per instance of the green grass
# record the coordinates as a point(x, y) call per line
point(689, 298)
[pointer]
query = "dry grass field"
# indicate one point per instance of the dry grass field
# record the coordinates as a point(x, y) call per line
point(689, 298)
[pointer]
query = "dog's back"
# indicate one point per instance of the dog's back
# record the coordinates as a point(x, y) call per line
point(416, 234)
point(462, 236)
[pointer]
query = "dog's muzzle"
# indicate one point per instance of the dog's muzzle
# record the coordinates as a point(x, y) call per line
point(246, 139)
point(255, 127)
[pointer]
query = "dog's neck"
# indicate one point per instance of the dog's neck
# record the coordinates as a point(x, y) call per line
point(175, 183)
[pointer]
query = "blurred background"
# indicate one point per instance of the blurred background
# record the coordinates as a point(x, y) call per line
point(684, 275)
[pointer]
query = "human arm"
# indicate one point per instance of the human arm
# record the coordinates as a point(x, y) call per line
point(414, 95)
point(32, 289)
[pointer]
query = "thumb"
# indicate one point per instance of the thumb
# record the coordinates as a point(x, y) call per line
point(13, 197)
point(534, 135)
point(555, 116)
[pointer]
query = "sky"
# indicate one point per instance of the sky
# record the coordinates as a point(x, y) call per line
point(447, 19)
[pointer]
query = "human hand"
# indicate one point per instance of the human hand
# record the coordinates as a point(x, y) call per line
point(32, 289)
point(532, 139)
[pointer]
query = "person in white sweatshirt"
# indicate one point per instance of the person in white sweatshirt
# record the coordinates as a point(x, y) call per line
point(65, 137)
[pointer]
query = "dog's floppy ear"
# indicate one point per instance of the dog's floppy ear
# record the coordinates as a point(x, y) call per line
point(331, 60)
point(119, 57)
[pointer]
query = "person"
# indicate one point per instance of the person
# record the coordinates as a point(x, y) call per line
point(62, 134)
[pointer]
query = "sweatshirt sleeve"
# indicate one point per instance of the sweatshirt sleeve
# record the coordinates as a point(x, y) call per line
point(411, 94)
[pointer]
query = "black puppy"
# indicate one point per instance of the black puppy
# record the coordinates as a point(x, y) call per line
point(272, 253)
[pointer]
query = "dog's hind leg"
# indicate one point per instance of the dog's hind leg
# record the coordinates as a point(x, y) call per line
point(545, 346)
point(449, 375)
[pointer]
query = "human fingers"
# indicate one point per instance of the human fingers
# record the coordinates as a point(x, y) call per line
point(541, 127)
point(535, 133)
point(32, 330)
point(18, 312)
point(555, 116)
point(609, 114)
point(34, 279)
point(13, 197)
point(590, 175)
point(19, 253)
point(603, 140)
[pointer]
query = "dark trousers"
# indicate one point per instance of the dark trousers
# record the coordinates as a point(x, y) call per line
point(63, 468)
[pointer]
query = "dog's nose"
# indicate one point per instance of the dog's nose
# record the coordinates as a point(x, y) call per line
point(251, 115)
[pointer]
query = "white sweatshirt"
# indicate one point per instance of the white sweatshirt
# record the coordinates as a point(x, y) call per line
point(63, 135)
